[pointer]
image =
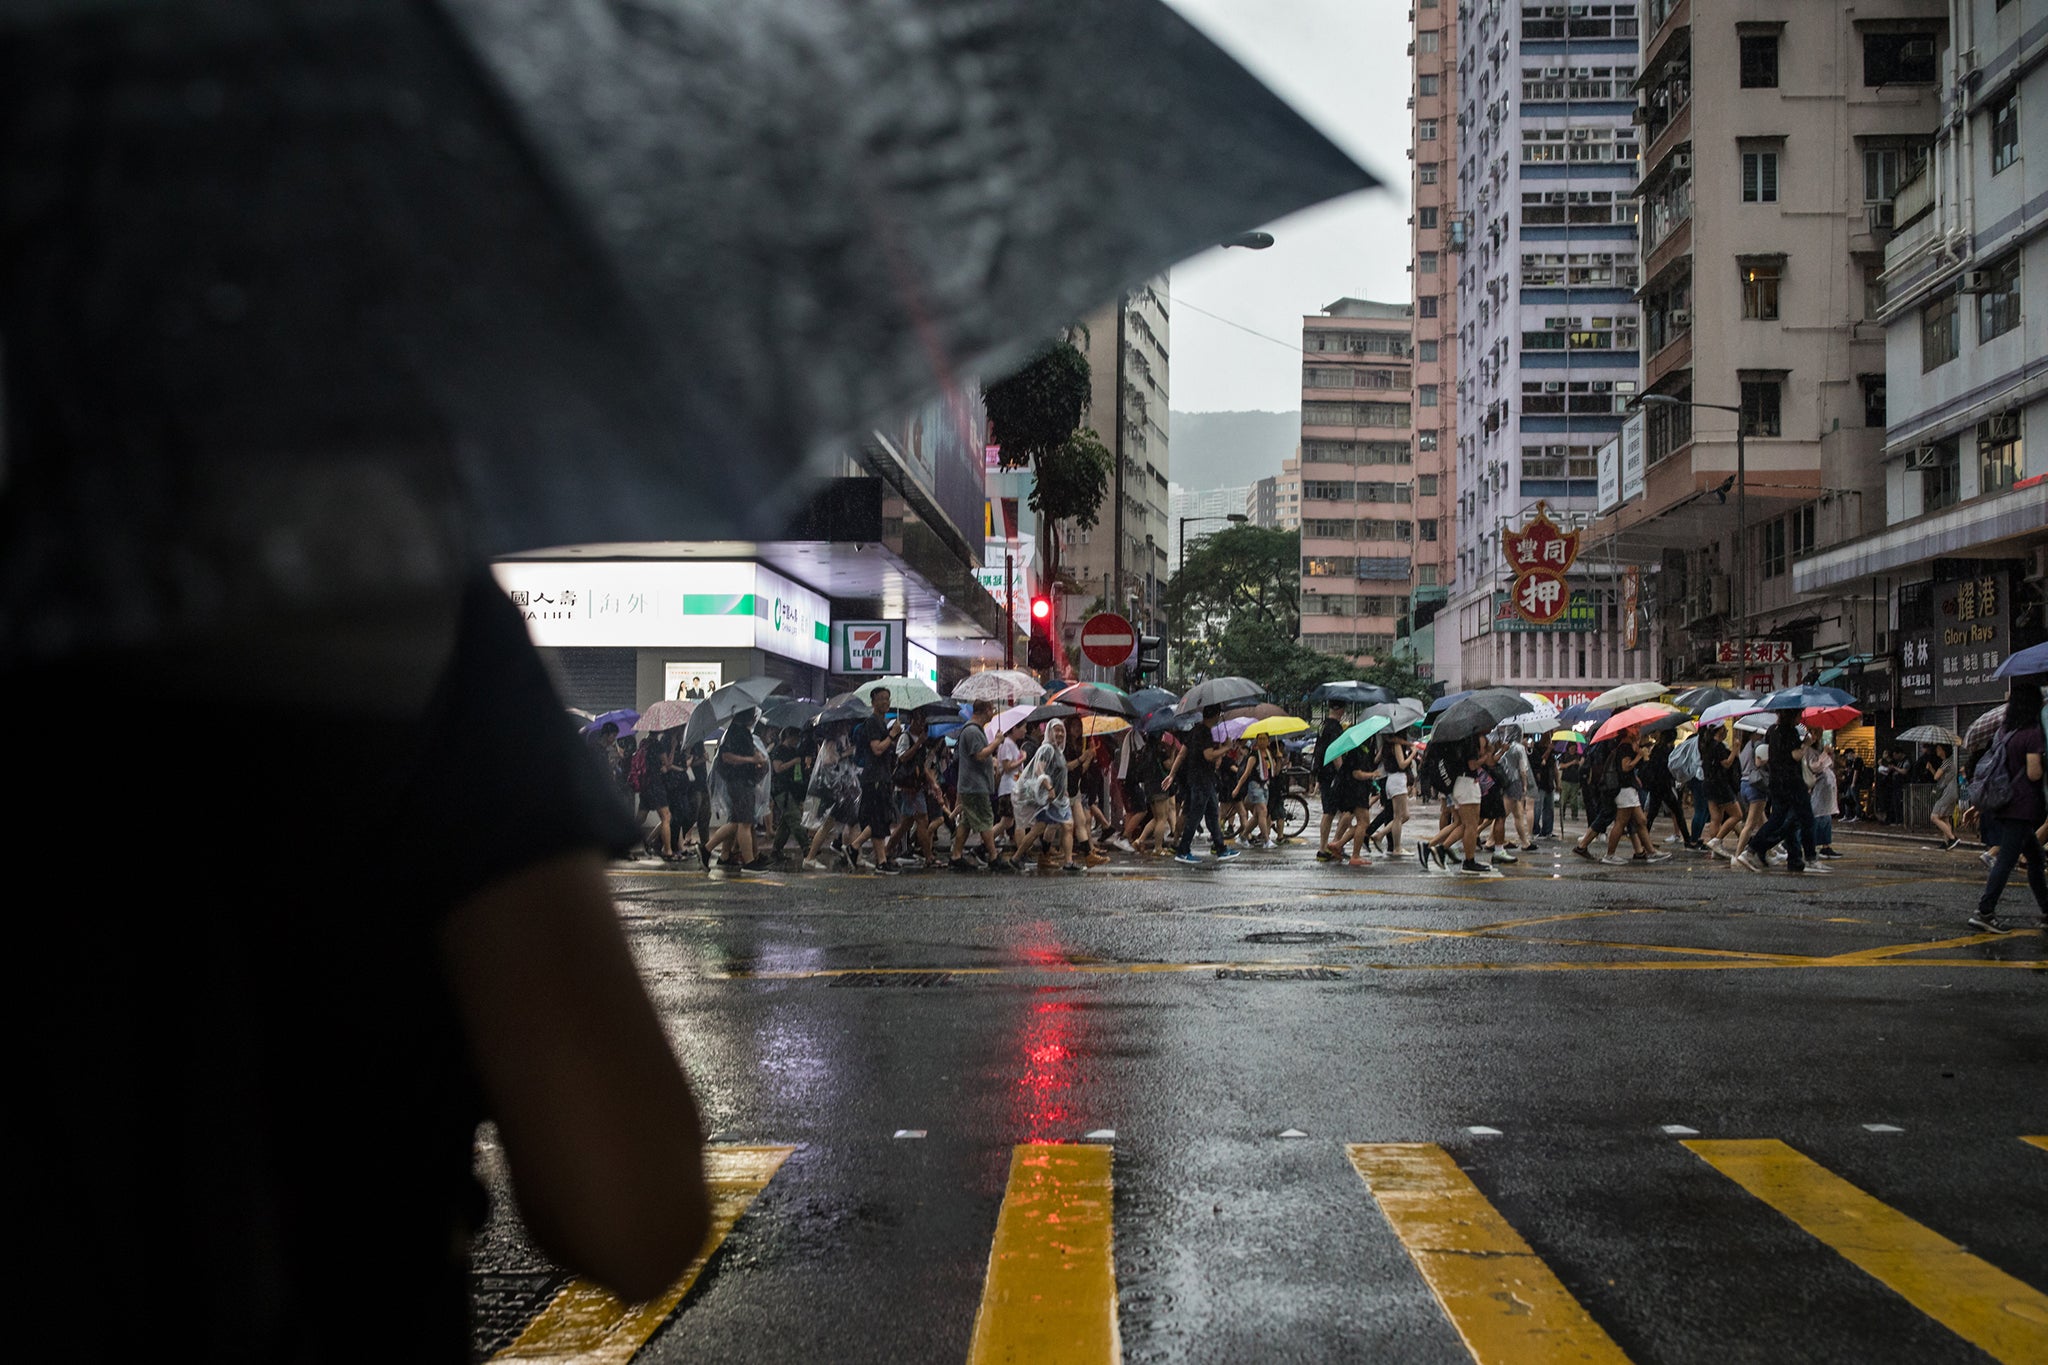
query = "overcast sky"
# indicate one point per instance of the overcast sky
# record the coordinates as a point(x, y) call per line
point(1344, 64)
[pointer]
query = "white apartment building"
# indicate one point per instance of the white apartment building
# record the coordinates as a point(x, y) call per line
point(1548, 342)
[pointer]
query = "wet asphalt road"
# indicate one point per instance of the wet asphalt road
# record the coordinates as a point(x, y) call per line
point(1199, 1014)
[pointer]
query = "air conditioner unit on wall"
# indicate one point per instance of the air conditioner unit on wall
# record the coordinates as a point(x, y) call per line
point(2003, 427)
point(1681, 161)
point(1924, 457)
point(1883, 217)
point(1680, 317)
point(1978, 282)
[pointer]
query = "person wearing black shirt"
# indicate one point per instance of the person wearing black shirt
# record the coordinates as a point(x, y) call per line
point(1544, 764)
point(1196, 770)
point(875, 746)
point(1791, 809)
point(1327, 779)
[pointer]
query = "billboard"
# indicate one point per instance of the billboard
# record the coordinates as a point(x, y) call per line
point(667, 604)
point(872, 647)
point(1632, 458)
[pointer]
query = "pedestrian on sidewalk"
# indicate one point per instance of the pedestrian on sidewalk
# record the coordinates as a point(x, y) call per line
point(1196, 769)
point(2007, 786)
point(975, 787)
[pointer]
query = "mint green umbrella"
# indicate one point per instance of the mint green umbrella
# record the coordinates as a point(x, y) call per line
point(1352, 738)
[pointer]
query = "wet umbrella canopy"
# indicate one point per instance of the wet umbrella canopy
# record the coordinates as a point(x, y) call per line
point(323, 300)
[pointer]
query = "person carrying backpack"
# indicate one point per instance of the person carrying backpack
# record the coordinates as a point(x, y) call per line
point(2006, 785)
point(1603, 782)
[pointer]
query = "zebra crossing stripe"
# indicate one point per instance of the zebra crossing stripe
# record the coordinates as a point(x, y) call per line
point(1505, 1302)
point(586, 1325)
point(2001, 1316)
point(1050, 1296)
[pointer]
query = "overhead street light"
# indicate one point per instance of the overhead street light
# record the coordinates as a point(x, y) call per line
point(1250, 241)
point(1234, 518)
point(1665, 400)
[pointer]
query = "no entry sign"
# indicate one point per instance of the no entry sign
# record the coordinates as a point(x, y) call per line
point(1107, 639)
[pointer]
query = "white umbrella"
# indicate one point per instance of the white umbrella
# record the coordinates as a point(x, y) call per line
point(1628, 694)
point(999, 685)
point(1757, 721)
point(905, 694)
point(1728, 710)
point(1005, 720)
point(664, 715)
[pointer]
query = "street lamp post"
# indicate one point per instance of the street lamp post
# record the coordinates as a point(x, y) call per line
point(1741, 526)
point(1234, 518)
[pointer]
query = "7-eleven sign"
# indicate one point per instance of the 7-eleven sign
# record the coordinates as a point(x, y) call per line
point(868, 647)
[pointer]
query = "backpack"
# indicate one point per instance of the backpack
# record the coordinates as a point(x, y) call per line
point(1685, 762)
point(1992, 785)
point(636, 771)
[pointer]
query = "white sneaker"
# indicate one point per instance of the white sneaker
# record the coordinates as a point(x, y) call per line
point(1501, 855)
point(1119, 842)
point(813, 865)
point(1747, 861)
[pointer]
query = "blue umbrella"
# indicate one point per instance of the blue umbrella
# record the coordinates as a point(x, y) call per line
point(1799, 698)
point(625, 718)
point(1578, 711)
point(1446, 702)
point(2025, 663)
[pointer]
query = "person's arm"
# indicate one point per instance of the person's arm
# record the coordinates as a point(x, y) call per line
point(985, 750)
point(881, 746)
point(1174, 771)
point(595, 1116)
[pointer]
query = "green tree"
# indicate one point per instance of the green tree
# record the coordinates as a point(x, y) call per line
point(1034, 417)
point(1244, 573)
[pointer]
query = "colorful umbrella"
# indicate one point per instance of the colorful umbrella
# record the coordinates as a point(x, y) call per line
point(1352, 738)
point(1830, 717)
point(1103, 725)
point(1635, 715)
point(1225, 730)
point(1275, 725)
point(664, 715)
point(1568, 737)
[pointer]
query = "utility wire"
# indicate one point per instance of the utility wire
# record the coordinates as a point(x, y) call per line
point(1180, 302)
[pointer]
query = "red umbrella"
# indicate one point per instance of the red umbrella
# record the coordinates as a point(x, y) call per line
point(1635, 715)
point(1830, 717)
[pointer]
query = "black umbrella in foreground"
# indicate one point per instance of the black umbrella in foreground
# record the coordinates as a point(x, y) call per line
point(728, 701)
point(316, 302)
point(1478, 712)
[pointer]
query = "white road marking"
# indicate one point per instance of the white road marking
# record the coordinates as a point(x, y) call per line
point(910, 1132)
point(1481, 1130)
point(1292, 1133)
point(1105, 1133)
point(1881, 1128)
point(1680, 1130)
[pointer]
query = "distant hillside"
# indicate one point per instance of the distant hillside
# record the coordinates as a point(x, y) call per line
point(1226, 449)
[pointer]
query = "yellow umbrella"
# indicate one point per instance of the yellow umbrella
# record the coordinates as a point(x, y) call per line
point(1103, 725)
point(1275, 725)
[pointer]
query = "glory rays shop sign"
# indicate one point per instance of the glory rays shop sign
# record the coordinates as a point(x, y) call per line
point(636, 604)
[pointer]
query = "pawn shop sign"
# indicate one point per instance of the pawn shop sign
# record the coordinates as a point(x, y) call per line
point(1540, 544)
point(1540, 596)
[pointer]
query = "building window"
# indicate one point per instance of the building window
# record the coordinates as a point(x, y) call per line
point(1425, 262)
point(2005, 132)
point(1425, 130)
point(1760, 410)
point(1425, 350)
point(1328, 566)
point(1873, 400)
point(1427, 85)
point(1873, 288)
point(1938, 332)
point(1885, 168)
point(1425, 575)
point(1760, 281)
point(1759, 61)
point(1941, 482)
point(1899, 58)
point(1426, 395)
point(1425, 307)
point(1426, 41)
point(1759, 177)
point(1425, 218)
point(1998, 452)
point(1426, 528)
point(1425, 440)
point(1998, 304)
point(1425, 485)
point(1425, 172)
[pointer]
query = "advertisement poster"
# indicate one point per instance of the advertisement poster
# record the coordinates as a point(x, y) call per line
point(688, 681)
point(667, 604)
point(1631, 607)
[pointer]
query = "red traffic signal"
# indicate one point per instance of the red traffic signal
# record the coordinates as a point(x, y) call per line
point(1041, 608)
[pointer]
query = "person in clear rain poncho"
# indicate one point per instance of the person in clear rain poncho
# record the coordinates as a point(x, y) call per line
point(1043, 810)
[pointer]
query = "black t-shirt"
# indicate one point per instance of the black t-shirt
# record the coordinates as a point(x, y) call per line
point(793, 781)
point(1196, 768)
point(876, 768)
point(252, 1080)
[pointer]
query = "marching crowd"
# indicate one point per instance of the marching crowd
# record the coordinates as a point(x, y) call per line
point(886, 792)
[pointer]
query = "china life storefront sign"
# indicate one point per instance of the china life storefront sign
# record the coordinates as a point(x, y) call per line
point(1538, 554)
point(1971, 637)
point(665, 604)
point(1579, 614)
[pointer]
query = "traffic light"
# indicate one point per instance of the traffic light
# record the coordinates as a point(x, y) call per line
point(1040, 652)
point(1151, 660)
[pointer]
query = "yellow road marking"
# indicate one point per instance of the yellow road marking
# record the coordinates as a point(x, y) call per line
point(1504, 1301)
point(585, 1325)
point(2041, 1142)
point(1980, 1303)
point(1051, 1290)
point(1898, 949)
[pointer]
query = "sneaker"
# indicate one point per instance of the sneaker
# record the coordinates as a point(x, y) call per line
point(1422, 855)
point(1323, 855)
point(1826, 853)
point(1584, 852)
point(1003, 865)
point(1096, 859)
point(890, 868)
point(1713, 846)
point(1815, 865)
point(813, 865)
point(963, 865)
point(1269, 844)
point(850, 858)
point(1187, 858)
point(1990, 924)
point(760, 864)
point(1950, 844)
point(1529, 847)
point(1072, 867)
point(1227, 855)
point(1617, 860)
point(1658, 858)
point(1475, 869)
point(1502, 855)
point(1747, 861)
point(717, 874)
point(1121, 843)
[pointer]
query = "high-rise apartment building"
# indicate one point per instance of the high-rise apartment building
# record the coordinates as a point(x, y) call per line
point(1274, 502)
point(1953, 575)
point(1548, 336)
point(1357, 477)
point(1125, 559)
point(1776, 135)
point(1440, 233)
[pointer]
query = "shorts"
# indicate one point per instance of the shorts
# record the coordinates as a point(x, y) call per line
point(1255, 794)
point(1749, 794)
point(877, 809)
point(1006, 807)
point(1628, 798)
point(1397, 784)
point(976, 814)
point(740, 805)
point(1058, 813)
point(910, 805)
point(1465, 792)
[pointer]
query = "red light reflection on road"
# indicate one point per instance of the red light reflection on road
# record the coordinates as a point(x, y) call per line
point(1046, 1083)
